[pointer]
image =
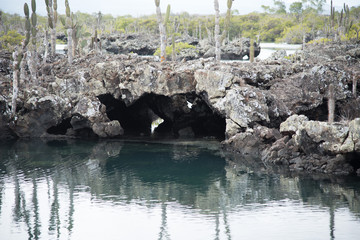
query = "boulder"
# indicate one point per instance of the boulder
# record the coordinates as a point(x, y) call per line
point(214, 83)
point(329, 137)
point(90, 108)
point(278, 55)
point(355, 53)
point(39, 114)
point(140, 44)
point(292, 124)
point(108, 129)
point(323, 137)
point(90, 113)
point(352, 142)
point(243, 105)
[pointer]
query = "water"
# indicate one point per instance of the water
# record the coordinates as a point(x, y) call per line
point(174, 190)
point(269, 48)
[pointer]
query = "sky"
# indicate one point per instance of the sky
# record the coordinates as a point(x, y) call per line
point(138, 8)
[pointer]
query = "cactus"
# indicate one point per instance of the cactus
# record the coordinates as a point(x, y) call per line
point(18, 56)
point(76, 37)
point(96, 44)
point(347, 23)
point(331, 103)
point(332, 15)
point(173, 39)
point(227, 20)
point(27, 24)
point(171, 30)
point(33, 22)
point(73, 31)
point(173, 55)
point(26, 10)
point(217, 31)
point(162, 32)
point(69, 30)
point(51, 8)
point(252, 51)
point(16, 64)
point(167, 20)
point(32, 54)
point(354, 85)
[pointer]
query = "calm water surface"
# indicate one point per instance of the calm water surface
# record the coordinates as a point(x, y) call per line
point(128, 190)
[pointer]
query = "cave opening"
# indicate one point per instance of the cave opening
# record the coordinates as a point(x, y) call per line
point(178, 116)
point(319, 113)
point(353, 159)
point(65, 127)
point(61, 128)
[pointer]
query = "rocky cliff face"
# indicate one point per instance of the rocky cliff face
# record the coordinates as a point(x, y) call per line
point(244, 104)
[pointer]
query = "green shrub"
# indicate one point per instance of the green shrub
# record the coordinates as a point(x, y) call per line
point(320, 40)
point(59, 41)
point(10, 40)
point(178, 47)
point(294, 34)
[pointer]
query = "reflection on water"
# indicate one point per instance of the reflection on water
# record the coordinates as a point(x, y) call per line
point(128, 190)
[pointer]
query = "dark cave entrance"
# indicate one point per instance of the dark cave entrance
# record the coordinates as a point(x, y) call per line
point(65, 127)
point(61, 128)
point(182, 115)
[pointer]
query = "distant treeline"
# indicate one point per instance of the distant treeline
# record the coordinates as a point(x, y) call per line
point(302, 21)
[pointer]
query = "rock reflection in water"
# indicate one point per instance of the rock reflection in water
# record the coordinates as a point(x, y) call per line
point(79, 189)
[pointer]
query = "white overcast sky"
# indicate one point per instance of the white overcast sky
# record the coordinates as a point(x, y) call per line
point(138, 8)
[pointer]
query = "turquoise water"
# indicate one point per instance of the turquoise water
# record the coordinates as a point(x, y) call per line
point(174, 190)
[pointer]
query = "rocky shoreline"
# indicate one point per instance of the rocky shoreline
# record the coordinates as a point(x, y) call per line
point(272, 110)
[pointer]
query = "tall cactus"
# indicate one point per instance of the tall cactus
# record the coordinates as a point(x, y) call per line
point(354, 85)
point(332, 16)
point(167, 21)
point(32, 54)
point(162, 31)
point(97, 43)
point(18, 56)
point(1, 20)
point(27, 24)
point(69, 32)
point(331, 103)
point(33, 23)
point(51, 8)
point(217, 32)
point(76, 35)
point(171, 31)
point(73, 31)
point(252, 50)
point(347, 23)
point(15, 82)
point(227, 20)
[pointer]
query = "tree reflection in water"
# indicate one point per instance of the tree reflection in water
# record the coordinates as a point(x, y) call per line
point(156, 176)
